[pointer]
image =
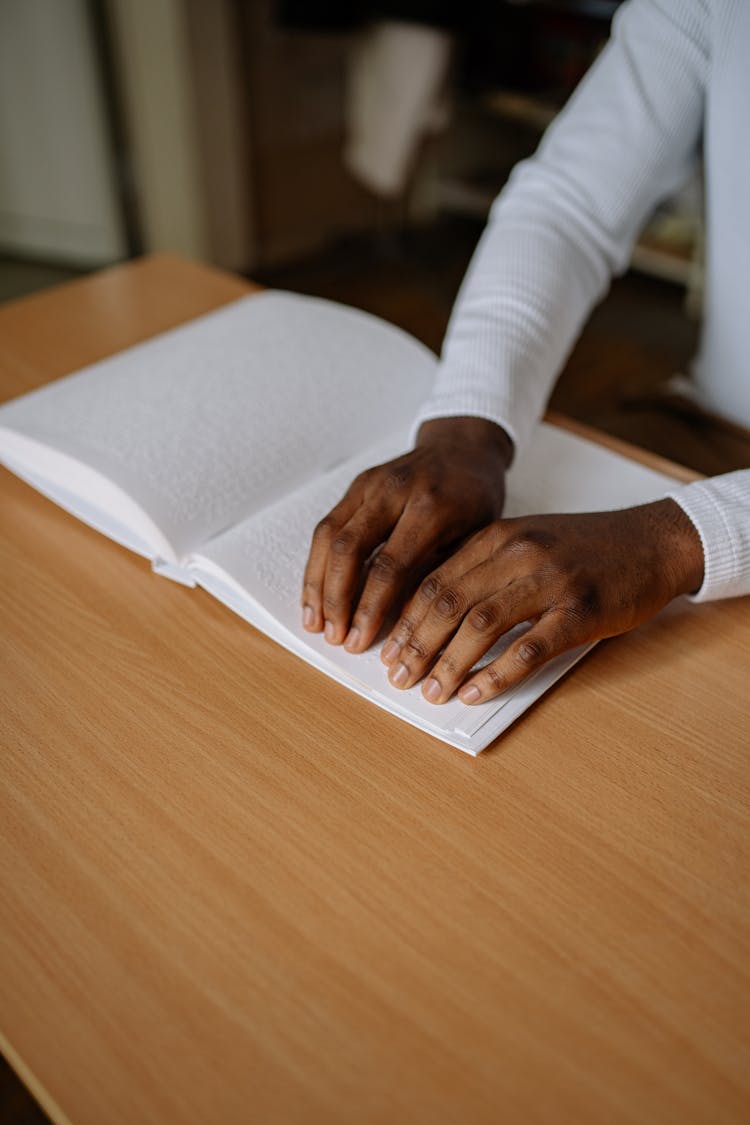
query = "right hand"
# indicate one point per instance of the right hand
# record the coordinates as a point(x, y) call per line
point(448, 486)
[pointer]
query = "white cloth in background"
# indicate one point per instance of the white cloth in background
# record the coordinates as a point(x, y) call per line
point(674, 72)
point(395, 96)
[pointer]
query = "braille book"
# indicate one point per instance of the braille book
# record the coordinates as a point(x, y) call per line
point(213, 450)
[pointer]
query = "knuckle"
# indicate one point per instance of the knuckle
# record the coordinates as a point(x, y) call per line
point(449, 604)
point(483, 618)
point(496, 681)
point(385, 567)
point(491, 536)
point(417, 648)
point(531, 652)
point(398, 477)
point(532, 540)
point(427, 500)
point(324, 527)
point(431, 587)
point(345, 543)
point(406, 627)
point(332, 605)
point(361, 480)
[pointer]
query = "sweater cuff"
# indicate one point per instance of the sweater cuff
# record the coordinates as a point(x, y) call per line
point(725, 537)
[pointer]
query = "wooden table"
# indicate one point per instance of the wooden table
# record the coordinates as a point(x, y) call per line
point(234, 892)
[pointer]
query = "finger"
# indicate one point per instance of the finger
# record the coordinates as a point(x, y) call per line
point(474, 552)
point(443, 618)
point(550, 636)
point(484, 624)
point(348, 550)
point(315, 568)
point(411, 545)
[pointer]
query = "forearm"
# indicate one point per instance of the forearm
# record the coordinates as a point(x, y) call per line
point(521, 307)
point(567, 220)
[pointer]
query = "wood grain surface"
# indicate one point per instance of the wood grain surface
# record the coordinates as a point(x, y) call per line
point(231, 891)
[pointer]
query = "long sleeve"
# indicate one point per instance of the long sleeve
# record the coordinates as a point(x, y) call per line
point(720, 511)
point(566, 223)
point(568, 218)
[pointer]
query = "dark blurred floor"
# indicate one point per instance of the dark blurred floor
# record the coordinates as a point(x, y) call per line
point(634, 342)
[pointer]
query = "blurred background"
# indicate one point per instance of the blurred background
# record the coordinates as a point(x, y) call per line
point(349, 150)
point(346, 149)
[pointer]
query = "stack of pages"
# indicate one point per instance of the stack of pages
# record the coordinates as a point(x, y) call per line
point(214, 449)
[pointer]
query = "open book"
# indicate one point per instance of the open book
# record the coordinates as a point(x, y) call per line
point(214, 449)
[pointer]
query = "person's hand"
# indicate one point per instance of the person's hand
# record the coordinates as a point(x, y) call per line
point(450, 484)
point(576, 578)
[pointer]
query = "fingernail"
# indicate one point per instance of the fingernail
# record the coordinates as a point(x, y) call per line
point(308, 617)
point(352, 638)
point(399, 675)
point(390, 651)
point(431, 689)
point(330, 630)
point(469, 694)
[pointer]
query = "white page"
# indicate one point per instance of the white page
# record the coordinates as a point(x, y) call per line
point(101, 499)
point(561, 472)
point(212, 420)
point(264, 557)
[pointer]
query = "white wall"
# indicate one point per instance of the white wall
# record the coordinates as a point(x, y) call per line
point(57, 188)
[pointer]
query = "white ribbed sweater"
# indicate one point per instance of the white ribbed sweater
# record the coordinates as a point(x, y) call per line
point(673, 73)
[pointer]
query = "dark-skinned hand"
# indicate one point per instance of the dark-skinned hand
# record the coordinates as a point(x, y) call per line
point(576, 578)
point(411, 508)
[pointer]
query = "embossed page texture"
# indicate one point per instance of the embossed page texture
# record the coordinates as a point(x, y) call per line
point(256, 568)
point(561, 472)
point(209, 422)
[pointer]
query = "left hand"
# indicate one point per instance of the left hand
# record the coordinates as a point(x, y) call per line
point(577, 578)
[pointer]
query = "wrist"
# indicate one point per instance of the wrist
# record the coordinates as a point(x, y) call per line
point(467, 431)
point(683, 546)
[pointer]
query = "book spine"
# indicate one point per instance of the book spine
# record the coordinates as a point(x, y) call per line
point(175, 571)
